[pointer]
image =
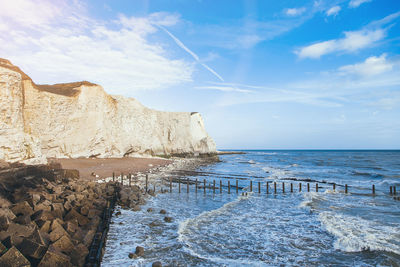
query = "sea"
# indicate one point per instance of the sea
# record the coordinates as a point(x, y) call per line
point(248, 228)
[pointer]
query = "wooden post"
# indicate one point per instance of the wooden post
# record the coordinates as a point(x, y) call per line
point(283, 187)
point(394, 190)
point(130, 180)
point(259, 187)
point(147, 181)
point(220, 186)
point(196, 185)
point(308, 187)
point(299, 187)
point(391, 191)
point(291, 187)
point(154, 187)
point(316, 187)
point(373, 189)
point(345, 189)
point(267, 188)
point(274, 187)
point(187, 186)
point(179, 183)
point(204, 186)
point(237, 187)
point(170, 184)
point(122, 178)
point(229, 186)
point(113, 177)
point(251, 186)
point(334, 187)
point(214, 187)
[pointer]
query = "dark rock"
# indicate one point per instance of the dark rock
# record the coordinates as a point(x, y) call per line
point(139, 251)
point(155, 223)
point(156, 264)
point(168, 219)
point(2, 248)
point(78, 255)
point(32, 249)
point(149, 210)
point(54, 258)
point(22, 208)
point(57, 210)
point(117, 213)
point(163, 212)
point(13, 258)
point(132, 255)
point(40, 237)
point(23, 219)
point(11, 241)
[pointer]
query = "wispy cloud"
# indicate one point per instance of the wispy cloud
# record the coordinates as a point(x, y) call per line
point(357, 3)
point(352, 40)
point(295, 11)
point(333, 11)
point(60, 42)
point(370, 67)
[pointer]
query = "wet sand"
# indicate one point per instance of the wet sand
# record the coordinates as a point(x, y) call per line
point(105, 167)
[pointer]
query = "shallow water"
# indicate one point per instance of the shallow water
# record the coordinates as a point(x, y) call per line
point(328, 228)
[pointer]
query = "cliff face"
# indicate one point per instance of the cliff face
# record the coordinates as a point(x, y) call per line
point(82, 120)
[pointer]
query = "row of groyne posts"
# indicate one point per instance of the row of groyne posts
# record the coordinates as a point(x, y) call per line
point(270, 187)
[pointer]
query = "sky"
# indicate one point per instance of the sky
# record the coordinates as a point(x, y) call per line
point(319, 74)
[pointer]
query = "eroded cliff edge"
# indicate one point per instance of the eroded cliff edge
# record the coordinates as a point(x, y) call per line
point(81, 120)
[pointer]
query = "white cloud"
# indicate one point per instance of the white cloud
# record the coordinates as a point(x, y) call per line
point(54, 42)
point(352, 41)
point(295, 11)
point(370, 67)
point(333, 11)
point(224, 88)
point(357, 3)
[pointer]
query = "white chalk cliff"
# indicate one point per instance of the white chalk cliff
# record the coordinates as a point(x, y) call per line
point(81, 120)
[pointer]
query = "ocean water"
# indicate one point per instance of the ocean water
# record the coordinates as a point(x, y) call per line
point(324, 228)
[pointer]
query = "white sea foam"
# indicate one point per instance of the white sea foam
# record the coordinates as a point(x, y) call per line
point(354, 234)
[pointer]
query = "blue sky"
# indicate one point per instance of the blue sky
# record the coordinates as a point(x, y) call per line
point(264, 74)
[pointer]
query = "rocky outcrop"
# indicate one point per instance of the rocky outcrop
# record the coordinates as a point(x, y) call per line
point(82, 120)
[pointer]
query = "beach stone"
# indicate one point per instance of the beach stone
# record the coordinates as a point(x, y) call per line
point(14, 258)
point(73, 214)
point(139, 251)
point(132, 255)
point(168, 219)
point(156, 264)
point(54, 258)
point(163, 212)
point(32, 249)
point(117, 213)
point(155, 223)
point(78, 255)
point(149, 210)
point(22, 208)
point(11, 241)
point(64, 245)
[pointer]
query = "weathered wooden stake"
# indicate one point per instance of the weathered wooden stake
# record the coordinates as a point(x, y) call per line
point(291, 187)
point(170, 185)
point(130, 180)
point(187, 186)
point(122, 178)
point(147, 181)
point(394, 190)
point(204, 186)
point(237, 187)
point(373, 189)
point(334, 187)
point(345, 189)
point(213, 186)
point(113, 177)
point(308, 187)
point(196, 185)
point(179, 183)
point(259, 187)
point(283, 187)
point(274, 187)
point(154, 188)
point(391, 191)
point(267, 188)
point(251, 186)
point(229, 187)
point(220, 186)
point(316, 187)
point(299, 187)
